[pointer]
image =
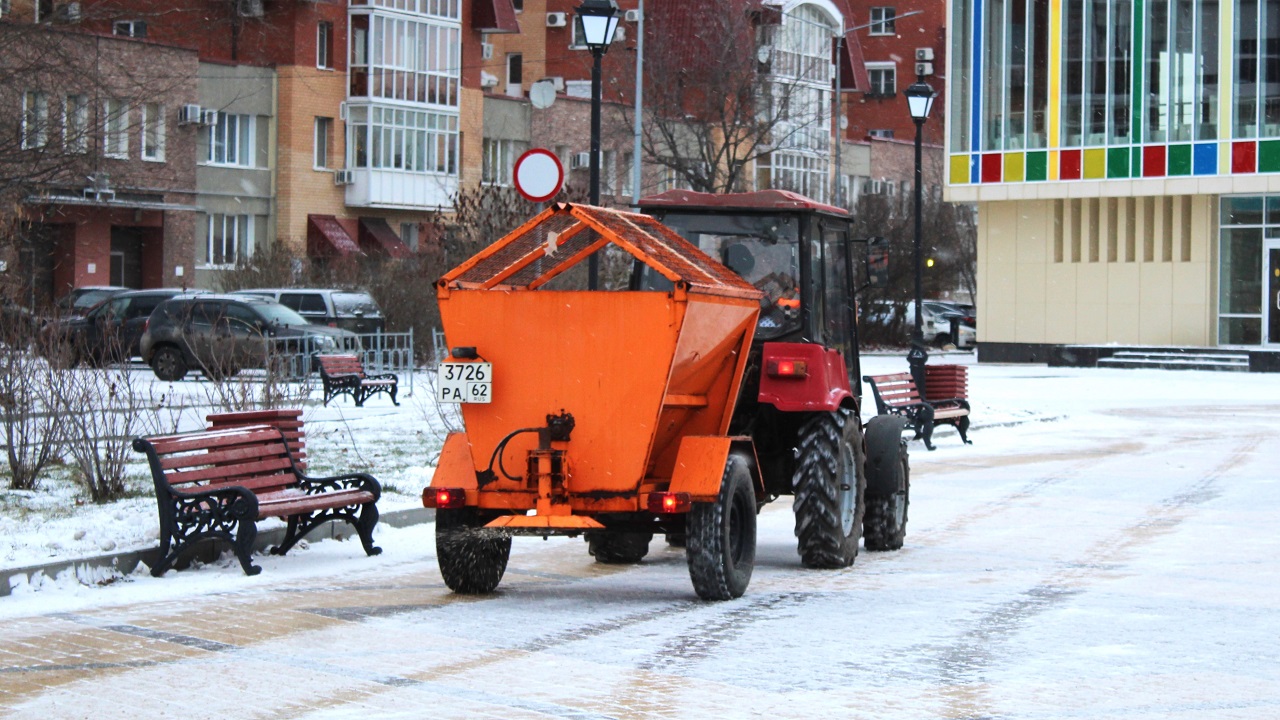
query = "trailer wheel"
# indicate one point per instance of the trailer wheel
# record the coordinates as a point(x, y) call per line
point(472, 559)
point(830, 489)
point(888, 483)
point(619, 548)
point(721, 536)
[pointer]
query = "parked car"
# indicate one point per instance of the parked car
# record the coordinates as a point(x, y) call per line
point(110, 332)
point(347, 309)
point(968, 313)
point(80, 300)
point(935, 326)
point(222, 334)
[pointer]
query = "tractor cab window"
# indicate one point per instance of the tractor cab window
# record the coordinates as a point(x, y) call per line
point(772, 266)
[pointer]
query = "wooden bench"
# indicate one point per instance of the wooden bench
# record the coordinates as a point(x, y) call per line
point(344, 375)
point(897, 394)
point(219, 483)
point(289, 421)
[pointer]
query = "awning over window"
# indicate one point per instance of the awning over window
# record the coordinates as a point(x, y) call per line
point(327, 238)
point(853, 70)
point(376, 236)
point(494, 16)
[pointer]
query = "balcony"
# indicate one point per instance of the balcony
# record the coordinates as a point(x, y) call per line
point(397, 189)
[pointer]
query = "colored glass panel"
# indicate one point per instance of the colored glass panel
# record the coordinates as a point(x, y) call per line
point(1269, 156)
point(1037, 166)
point(1095, 164)
point(959, 169)
point(991, 166)
point(1179, 159)
point(1135, 162)
point(1206, 159)
point(1069, 165)
point(1153, 157)
point(1118, 162)
point(1054, 170)
point(1244, 157)
point(1014, 166)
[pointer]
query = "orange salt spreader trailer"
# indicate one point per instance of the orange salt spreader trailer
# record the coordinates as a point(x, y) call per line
point(608, 413)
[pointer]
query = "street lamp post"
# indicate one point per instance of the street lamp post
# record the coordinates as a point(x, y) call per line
point(919, 102)
point(597, 20)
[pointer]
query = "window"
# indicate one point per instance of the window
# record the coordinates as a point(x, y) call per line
point(409, 235)
point(883, 79)
point(153, 131)
point(324, 45)
point(575, 39)
point(402, 139)
point(628, 174)
point(115, 124)
point(320, 151)
point(405, 59)
point(500, 159)
point(518, 5)
point(129, 28)
point(231, 140)
point(881, 133)
point(35, 120)
point(75, 127)
point(608, 173)
point(229, 240)
point(515, 74)
point(882, 21)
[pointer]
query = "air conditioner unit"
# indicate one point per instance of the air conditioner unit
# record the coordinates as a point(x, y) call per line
point(580, 160)
point(486, 51)
point(344, 177)
point(209, 117)
point(557, 19)
point(249, 8)
point(488, 80)
point(619, 34)
point(632, 16)
point(924, 68)
point(924, 54)
point(190, 115)
point(342, 111)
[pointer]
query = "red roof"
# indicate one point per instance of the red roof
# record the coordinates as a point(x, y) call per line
point(759, 200)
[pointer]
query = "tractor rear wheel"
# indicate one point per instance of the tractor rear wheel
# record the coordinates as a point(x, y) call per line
point(472, 559)
point(890, 493)
point(721, 536)
point(619, 548)
point(830, 489)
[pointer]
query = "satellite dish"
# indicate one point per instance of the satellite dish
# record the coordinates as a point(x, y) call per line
point(763, 53)
point(542, 93)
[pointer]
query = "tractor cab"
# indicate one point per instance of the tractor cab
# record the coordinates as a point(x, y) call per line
point(796, 251)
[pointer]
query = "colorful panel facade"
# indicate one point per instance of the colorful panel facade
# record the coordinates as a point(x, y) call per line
point(1113, 89)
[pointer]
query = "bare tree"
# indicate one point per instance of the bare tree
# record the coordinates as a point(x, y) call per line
point(32, 427)
point(712, 109)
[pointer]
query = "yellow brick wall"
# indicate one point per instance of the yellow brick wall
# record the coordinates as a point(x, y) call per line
point(307, 93)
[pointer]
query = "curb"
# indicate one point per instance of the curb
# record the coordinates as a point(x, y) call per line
point(90, 570)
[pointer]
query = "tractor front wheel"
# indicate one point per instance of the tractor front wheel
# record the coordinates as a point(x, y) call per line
point(472, 559)
point(619, 548)
point(721, 536)
point(830, 489)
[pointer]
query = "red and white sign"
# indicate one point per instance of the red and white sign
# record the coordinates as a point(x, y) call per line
point(539, 175)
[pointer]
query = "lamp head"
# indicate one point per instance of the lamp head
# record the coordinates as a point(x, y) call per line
point(919, 100)
point(597, 20)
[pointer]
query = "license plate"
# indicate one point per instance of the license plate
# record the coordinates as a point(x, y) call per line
point(468, 382)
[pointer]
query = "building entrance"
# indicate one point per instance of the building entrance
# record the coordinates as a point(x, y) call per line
point(1271, 308)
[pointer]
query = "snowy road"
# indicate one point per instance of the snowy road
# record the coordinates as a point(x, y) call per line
point(1120, 562)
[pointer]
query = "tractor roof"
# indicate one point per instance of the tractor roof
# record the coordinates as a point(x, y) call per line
point(761, 201)
point(564, 235)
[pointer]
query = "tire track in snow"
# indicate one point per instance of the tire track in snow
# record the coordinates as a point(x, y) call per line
point(961, 664)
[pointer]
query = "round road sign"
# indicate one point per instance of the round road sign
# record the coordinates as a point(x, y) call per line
point(539, 175)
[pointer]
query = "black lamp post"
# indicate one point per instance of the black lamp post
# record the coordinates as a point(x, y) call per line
point(597, 20)
point(919, 102)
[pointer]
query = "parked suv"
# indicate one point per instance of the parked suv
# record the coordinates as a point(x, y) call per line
point(222, 334)
point(111, 331)
point(347, 309)
point(79, 300)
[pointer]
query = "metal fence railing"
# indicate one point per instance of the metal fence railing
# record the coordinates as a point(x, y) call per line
point(380, 352)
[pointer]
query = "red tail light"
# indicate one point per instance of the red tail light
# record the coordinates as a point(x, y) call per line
point(668, 503)
point(446, 498)
point(787, 368)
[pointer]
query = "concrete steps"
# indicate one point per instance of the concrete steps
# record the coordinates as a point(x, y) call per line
point(1219, 360)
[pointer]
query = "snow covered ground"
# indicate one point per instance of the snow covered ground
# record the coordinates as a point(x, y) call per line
point(1105, 549)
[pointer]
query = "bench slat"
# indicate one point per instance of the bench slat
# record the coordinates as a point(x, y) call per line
point(223, 472)
point(223, 456)
point(306, 503)
point(213, 439)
